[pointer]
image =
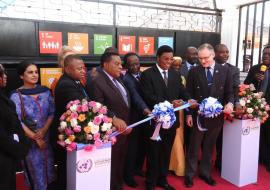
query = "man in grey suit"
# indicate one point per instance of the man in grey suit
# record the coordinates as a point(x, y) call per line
point(221, 57)
point(191, 60)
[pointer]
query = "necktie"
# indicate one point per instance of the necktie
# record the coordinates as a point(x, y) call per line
point(123, 94)
point(165, 77)
point(209, 77)
point(138, 77)
point(82, 89)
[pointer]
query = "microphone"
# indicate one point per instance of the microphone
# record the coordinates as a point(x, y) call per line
point(263, 68)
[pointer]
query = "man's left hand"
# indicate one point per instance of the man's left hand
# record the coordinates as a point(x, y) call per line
point(228, 109)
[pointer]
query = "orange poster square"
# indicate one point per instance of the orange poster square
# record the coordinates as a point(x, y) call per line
point(146, 45)
point(48, 75)
point(50, 42)
point(126, 44)
point(78, 42)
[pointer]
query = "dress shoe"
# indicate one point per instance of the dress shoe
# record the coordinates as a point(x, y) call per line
point(150, 187)
point(188, 182)
point(165, 186)
point(131, 182)
point(208, 180)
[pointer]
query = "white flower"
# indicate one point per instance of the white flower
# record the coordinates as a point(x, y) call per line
point(248, 101)
point(67, 141)
point(63, 125)
point(249, 110)
point(242, 102)
point(106, 126)
point(90, 124)
point(262, 105)
point(94, 129)
point(252, 87)
point(73, 108)
point(98, 105)
point(73, 122)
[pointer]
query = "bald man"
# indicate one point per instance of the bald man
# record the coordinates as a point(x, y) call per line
point(191, 56)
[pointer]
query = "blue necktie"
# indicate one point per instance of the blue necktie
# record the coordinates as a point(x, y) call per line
point(209, 77)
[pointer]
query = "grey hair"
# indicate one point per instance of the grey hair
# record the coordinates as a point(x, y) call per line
point(206, 46)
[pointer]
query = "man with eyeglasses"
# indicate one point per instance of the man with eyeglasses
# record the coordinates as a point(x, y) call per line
point(208, 79)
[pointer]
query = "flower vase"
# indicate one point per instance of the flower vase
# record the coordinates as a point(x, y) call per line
point(89, 169)
point(240, 151)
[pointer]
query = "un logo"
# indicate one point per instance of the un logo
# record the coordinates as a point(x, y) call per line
point(246, 130)
point(84, 166)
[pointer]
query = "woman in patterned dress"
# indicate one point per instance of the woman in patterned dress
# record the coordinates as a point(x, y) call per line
point(38, 105)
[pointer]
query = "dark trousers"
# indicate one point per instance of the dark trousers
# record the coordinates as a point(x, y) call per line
point(8, 172)
point(136, 151)
point(219, 149)
point(117, 162)
point(208, 140)
point(265, 142)
point(158, 157)
point(61, 172)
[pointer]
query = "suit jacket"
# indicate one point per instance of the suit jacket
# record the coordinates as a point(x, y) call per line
point(222, 87)
point(251, 79)
point(155, 91)
point(137, 102)
point(236, 80)
point(104, 91)
point(66, 90)
point(184, 70)
point(10, 150)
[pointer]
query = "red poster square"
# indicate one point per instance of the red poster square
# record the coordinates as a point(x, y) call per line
point(50, 42)
point(146, 45)
point(126, 44)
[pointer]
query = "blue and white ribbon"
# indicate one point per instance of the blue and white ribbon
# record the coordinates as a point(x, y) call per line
point(164, 113)
point(209, 108)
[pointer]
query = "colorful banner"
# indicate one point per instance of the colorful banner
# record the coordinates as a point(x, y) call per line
point(126, 44)
point(50, 42)
point(146, 45)
point(78, 42)
point(48, 75)
point(165, 41)
point(101, 42)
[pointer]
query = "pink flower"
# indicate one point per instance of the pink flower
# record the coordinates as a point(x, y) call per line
point(96, 136)
point(69, 104)
point(74, 115)
point(72, 146)
point(98, 143)
point(92, 104)
point(106, 119)
point(79, 108)
point(77, 129)
point(89, 148)
point(63, 117)
point(103, 110)
point(113, 140)
point(97, 120)
point(68, 131)
point(84, 108)
point(76, 102)
point(61, 143)
point(89, 137)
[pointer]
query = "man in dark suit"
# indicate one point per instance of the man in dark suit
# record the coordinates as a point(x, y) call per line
point(159, 83)
point(191, 56)
point(67, 89)
point(208, 79)
point(260, 79)
point(108, 89)
point(191, 61)
point(13, 142)
point(136, 141)
point(221, 57)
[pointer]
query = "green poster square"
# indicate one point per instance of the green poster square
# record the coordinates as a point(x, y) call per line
point(101, 42)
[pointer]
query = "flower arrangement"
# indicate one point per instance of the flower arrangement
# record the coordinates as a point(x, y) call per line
point(85, 125)
point(253, 104)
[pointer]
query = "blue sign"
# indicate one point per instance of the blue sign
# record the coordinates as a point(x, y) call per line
point(165, 41)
